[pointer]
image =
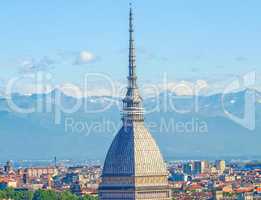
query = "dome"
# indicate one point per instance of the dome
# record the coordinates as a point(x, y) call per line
point(134, 152)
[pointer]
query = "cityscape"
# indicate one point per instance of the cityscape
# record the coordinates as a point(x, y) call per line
point(217, 179)
point(74, 127)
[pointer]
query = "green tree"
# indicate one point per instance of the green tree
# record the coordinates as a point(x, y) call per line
point(87, 197)
point(10, 193)
point(3, 194)
point(45, 195)
point(67, 196)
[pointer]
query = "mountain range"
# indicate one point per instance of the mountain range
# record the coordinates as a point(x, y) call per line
point(183, 126)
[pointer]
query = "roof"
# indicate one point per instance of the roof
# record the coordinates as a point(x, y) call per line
point(134, 153)
point(244, 189)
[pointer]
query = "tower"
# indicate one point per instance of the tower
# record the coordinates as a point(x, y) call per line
point(134, 168)
point(221, 165)
point(8, 167)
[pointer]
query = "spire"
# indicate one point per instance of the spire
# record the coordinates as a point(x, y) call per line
point(132, 103)
point(132, 57)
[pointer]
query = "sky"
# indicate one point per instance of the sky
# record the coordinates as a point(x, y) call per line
point(212, 41)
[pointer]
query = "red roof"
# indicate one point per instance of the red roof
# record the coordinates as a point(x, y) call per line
point(245, 189)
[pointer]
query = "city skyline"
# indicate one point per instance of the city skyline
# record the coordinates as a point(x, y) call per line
point(183, 124)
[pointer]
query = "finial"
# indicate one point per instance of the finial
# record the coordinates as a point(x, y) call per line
point(132, 59)
point(131, 18)
point(130, 4)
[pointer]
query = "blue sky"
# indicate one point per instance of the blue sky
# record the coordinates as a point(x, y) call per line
point(187, 39)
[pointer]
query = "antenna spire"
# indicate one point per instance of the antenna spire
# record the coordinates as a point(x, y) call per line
point(132, 103)
point(132, 57)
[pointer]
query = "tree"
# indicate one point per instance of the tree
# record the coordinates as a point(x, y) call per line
point(87, 197)
point(10, 193)
point(67, 196)
point(45, 195)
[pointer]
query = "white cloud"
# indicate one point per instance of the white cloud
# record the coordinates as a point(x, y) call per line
point(85, 57)
point(30, 65)
point(178, 87)
point(71, 89)
point(202, 84)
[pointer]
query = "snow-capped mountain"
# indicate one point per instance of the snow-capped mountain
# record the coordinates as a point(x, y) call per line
point(68, 127)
